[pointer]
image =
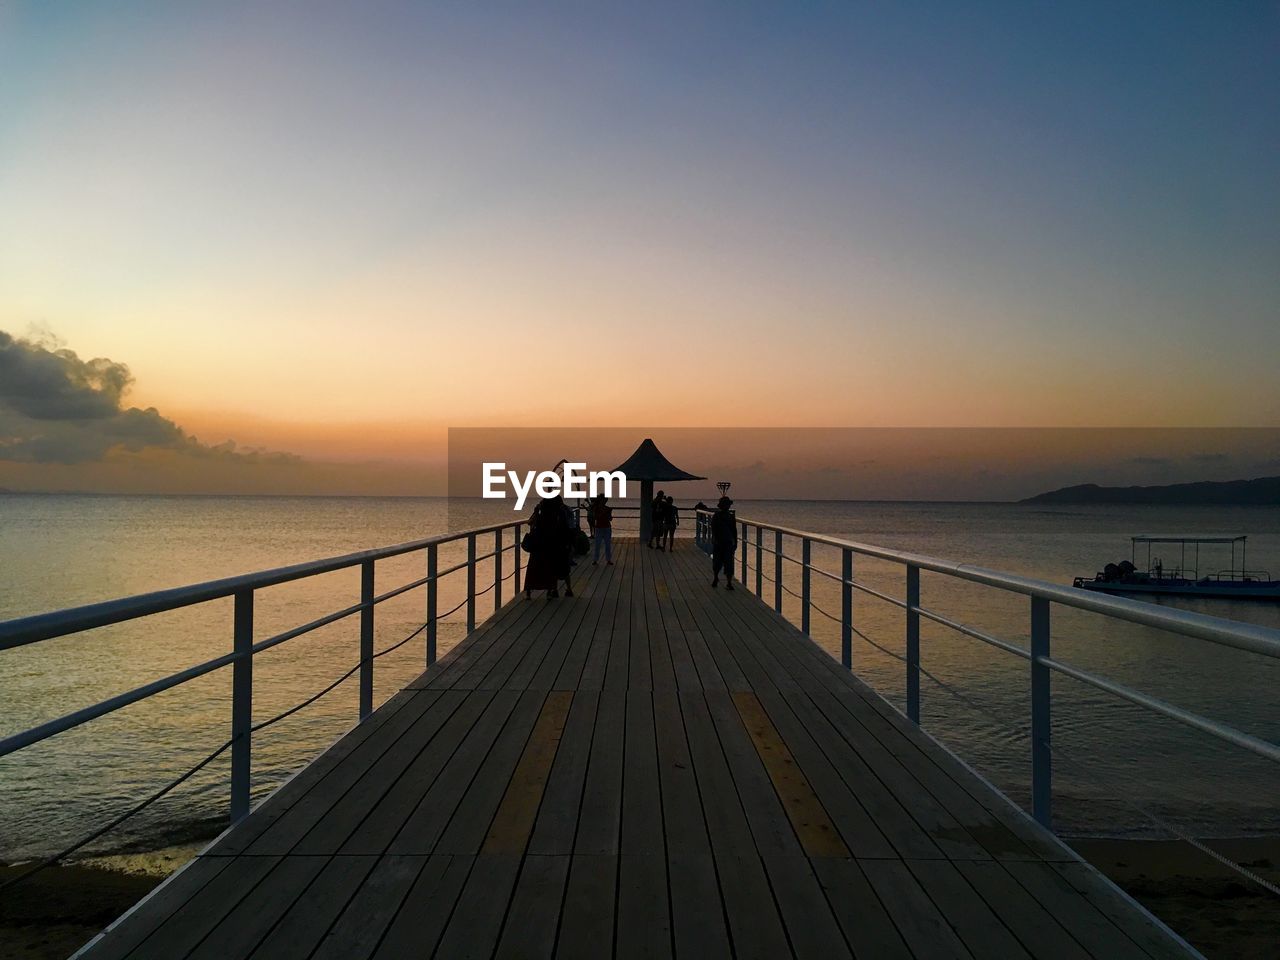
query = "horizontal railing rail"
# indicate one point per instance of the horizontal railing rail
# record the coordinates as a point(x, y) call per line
point(1042, 594)
point(23, 631)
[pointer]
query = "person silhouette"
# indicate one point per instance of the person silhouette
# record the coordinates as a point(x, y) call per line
point(724, 543)
point(550, 546)
point(671, 520)
point(602, 522)
point(656, 509)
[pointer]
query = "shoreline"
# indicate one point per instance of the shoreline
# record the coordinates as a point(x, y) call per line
point(53, 914)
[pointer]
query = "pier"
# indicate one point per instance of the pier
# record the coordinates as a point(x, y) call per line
point(650, 768)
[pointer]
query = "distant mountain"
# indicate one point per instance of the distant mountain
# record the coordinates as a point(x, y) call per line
point(1262, 492)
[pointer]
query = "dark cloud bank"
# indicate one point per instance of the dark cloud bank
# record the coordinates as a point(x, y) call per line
point(58, 408)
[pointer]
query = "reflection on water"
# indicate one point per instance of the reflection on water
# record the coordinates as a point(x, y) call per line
point(60, 551)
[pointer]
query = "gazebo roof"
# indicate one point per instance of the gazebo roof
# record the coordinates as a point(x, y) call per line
point(648, 463)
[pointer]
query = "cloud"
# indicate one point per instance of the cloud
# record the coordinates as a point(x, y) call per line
point(1210, 457)
point(57, 408)
point(1151, 461)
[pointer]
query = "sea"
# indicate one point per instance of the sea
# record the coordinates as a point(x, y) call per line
point(1118, 770)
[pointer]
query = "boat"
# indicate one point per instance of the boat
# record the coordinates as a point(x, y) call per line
point(1183, 578)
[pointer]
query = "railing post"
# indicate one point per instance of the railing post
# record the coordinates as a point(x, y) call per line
point(745, 542)
point(471, 582)
point(515, 551)
point(431, 603)
point(806, 555)
point(241, 704)
point(913, 643)
point(1041, 758)
point(777, 571)
point(497, 570)
point(846, 609)
point(366, 638)
point(759, 562)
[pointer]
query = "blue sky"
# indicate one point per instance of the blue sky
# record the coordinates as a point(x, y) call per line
point(877, 214)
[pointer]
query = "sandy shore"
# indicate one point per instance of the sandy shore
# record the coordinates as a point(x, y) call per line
point(54, 913)
point(1218, 912)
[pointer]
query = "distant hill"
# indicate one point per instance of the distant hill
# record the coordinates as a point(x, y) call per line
point(1262, 492)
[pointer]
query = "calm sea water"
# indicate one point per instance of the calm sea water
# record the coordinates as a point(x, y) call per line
point(1114, 760)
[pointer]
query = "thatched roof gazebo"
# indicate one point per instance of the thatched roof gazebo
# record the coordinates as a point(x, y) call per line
point(647, 465)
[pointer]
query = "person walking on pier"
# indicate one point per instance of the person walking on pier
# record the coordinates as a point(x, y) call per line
point(656, 511)
point(601, 515)
point(724, 543)
point(670, 520)
point(550, 546)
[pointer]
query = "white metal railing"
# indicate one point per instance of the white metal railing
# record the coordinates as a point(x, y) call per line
point(34, 629)
point(1041, 593)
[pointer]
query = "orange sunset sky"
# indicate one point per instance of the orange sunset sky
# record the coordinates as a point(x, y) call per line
point(334, 236)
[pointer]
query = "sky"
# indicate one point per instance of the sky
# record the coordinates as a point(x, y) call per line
point(329, 232)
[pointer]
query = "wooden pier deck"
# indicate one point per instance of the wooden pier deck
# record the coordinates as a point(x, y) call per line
point(650, 768)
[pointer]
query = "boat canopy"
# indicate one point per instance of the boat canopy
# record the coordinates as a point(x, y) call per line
point(1222, 538)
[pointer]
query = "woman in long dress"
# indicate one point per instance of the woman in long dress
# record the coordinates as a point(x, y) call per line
point(550, 547)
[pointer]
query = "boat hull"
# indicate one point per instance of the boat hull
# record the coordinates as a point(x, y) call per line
point(1262, 590)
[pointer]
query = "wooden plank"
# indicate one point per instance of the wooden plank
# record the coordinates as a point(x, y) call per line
point(640, 670)
point(181, 930)
point(421, 919)
point(423, 806)
point(945, 832)
point(601, 817)
point(302, 928)
point(344, 798)
point(586, 924)
point(1086, 924)
point(538, 668)
point(840, 790)
point(581, 623)
point(385, 803)
point(474, 812)
point(557, 821)
point(239, 933)
point(865, 922)
point(922, 925)
point(531, 924)
point(888, 811)
point(817, 834)
point(617, 667)
point(754, 923)
point(596, 663)
point(600, 605)
point(644, 923)
point(366, 918)
point(770, 827)
point(697, 911)
point(512, 824)
point(1033, 925)
point(473, 929)
point(509, 623)
point(972, 919)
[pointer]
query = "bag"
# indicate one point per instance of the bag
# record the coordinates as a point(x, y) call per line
point(581, 543)
point(528, 543)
